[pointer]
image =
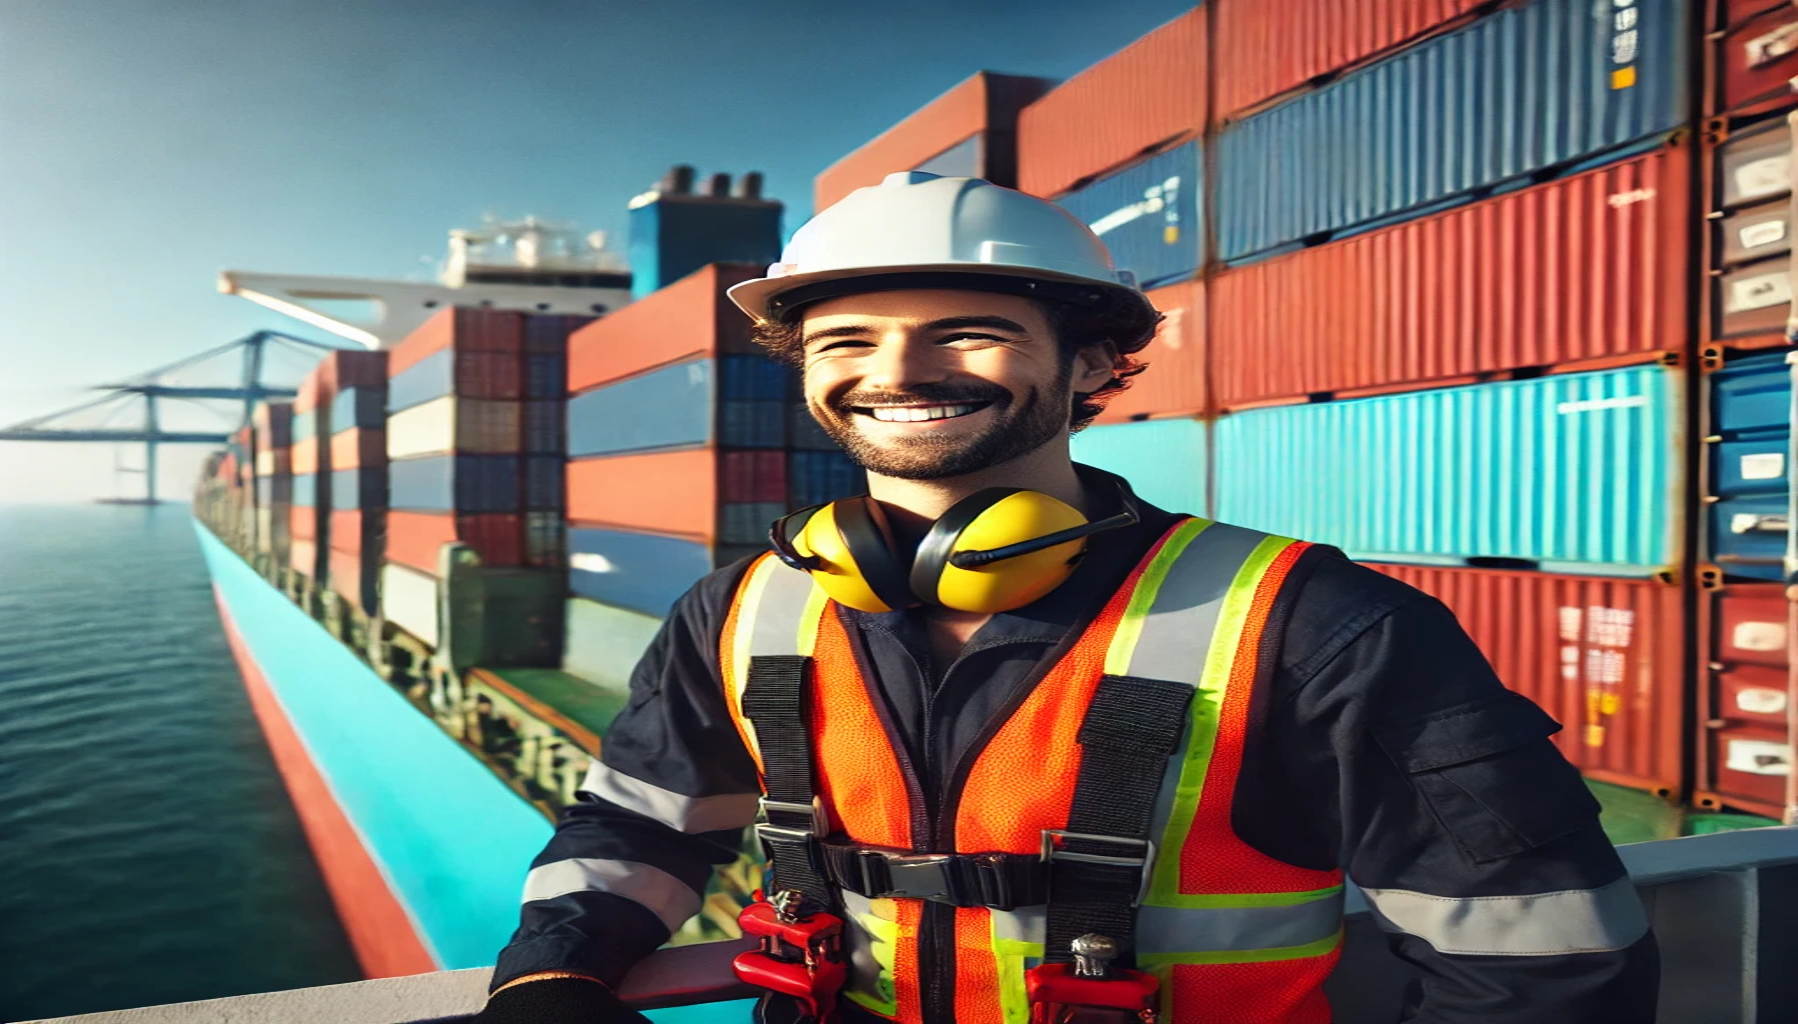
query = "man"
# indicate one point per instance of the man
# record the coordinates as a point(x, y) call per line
point(988, 746)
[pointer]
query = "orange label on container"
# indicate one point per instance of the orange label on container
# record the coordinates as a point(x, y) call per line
point(1623, 78)
point(1594, 735)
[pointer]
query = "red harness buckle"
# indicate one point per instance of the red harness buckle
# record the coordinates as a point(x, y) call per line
point(1088, 991)
point(801, 957)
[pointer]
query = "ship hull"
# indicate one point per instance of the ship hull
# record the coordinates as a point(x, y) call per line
point(423, 849)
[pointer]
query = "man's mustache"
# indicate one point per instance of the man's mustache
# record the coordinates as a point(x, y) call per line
point(921, 394)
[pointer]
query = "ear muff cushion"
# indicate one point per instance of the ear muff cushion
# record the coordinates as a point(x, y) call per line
point(839, 572)
point(862, 524)
point(1018, 581)
point(933, 553)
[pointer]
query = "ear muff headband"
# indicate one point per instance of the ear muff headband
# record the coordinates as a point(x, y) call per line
point(999, 519)
point(863, 526)
point(939, 545)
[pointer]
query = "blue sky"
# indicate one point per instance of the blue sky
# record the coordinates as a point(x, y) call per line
point(147, 144)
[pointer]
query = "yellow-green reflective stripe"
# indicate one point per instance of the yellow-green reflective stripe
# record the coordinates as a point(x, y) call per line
point(1201, 901)
point(749, 609)
point(1241, 956)
point(808, 620)
point(1014, 998)
point(1164, 888)
point(1136, 612)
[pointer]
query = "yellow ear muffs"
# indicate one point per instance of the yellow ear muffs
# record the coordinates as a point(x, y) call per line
point(851, 547)
point(987, 522)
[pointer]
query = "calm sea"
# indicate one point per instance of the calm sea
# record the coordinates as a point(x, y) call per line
point(148, 852)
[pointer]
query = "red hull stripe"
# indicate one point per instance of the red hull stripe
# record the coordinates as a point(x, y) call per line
point(386, 942)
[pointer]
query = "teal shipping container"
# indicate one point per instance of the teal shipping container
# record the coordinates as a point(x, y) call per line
point(1166, 461)
point(1571, 473)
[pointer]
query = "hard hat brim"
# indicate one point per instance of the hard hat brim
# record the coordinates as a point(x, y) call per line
point(760, 298)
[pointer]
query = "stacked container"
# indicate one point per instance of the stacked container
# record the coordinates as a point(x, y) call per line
point(473, 458)
point(273, 423)
point(684, 446)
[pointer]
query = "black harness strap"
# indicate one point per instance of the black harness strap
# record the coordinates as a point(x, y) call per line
point(1098, 863)
point(775, 700)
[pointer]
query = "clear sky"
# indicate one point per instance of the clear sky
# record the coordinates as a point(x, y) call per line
point(147, 144)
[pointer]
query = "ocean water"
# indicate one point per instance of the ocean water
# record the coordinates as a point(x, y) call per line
point(148, 852)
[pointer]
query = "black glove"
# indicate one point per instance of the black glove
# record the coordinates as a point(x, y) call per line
point(557, 1001)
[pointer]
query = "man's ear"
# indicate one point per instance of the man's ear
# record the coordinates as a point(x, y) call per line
point(1093, 367)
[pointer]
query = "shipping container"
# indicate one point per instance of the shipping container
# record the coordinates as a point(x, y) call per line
point(968, 132)
point(466, 329)
point(1266, 49)
point(1748, 481)
point(754, 378)
point(689, 318)
point(274, 425)
point(1177, 381)
point(469, 484)
point(604, 643)
point(752, 476)
point(302, 522)
point(466, 374)
point(273, 462)
point(303, 557)
point(1606, 658)
point(804, 433)
point(1750, 237)
point(346, 369)
point(305, 420)
point(545, 424)
point(547, 333)
point(304, 455)
point(667, 408)
point(1570, 473)
point(1144, 96)
point(1745, 699)
point(676, 231)
point(546, 375)
point(752, 424)
point(358, 531)
point(1148, 215)
point(746, 523)
point(359, 447)
point(363, 407)
point(355, 578)
point(415, 538)
point(545, 540)
point(1166, 461)
point(409, 601)
point(662, 492)
point(452, 424)
point(814, 478)
point(1754, 62)
point(1521, 92)
point(639, 571)
point(1593, 266)
point(543, 476)
point(364, 488)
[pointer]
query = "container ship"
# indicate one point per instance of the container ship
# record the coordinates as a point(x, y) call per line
point(1494, 297)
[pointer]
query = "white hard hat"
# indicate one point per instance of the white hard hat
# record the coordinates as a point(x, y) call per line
point(919, 230)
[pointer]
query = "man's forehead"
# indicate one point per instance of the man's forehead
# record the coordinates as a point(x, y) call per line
point(919, 305)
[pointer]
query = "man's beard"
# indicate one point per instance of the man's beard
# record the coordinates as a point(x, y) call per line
point(1018, 428)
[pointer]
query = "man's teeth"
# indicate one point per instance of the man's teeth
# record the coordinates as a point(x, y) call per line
point(913, 413)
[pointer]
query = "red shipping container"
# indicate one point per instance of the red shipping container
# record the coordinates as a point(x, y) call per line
point(354, 448)
point(1176, 382)
point(343, 369)
point(1587, 268)
point(986, 104)
point(472, 330)
point(1265, 49)
point(494, 375)
point(1755, 62)
point(1746, 694)
point(414, 538)
point(307, 399)
point(752, 476)
point(346, 530)
point(1148, 93)
point(274, 425)
point(305, 455)
point(1605, 657)
point(302, 522)
point(658, 492)
point(691, 317)
point(348, 578)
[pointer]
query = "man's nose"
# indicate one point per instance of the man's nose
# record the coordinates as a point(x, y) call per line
point(902, 361)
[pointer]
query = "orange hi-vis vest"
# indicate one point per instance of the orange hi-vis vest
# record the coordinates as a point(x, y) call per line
point(1233, 934)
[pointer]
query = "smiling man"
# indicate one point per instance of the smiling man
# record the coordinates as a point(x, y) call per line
point(1022, 747)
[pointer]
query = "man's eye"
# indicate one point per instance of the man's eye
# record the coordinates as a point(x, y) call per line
point(843, 343)
point(967, 336)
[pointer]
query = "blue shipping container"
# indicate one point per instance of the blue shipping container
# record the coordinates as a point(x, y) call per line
point(804, 432)
point(1751, 409)
point(757, 424)
point(674, 235)
point(544, 482)
point(752, 377)
point(543, 423)
point(455, 483)
point(814, 478)
point(1578, 473)
point(362, 408)
point(304, 425)
point(670, 408)
point(1748, 536)
point(364, 488)
point(1166, 461)
point(639, 571)
point(546, 376)
point(426, 380)
point(305, 489)
point(1148, 215)
point(1517, 92)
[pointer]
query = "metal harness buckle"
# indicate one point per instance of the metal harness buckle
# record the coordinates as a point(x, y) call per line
point(1052, 853)
point(911, 875)
point(819, 824)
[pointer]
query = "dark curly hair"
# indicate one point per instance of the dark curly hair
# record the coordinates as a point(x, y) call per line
point(1129, 326)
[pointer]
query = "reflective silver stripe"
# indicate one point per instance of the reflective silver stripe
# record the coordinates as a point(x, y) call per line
point(1574, 921)
point(779, 611)
point(683, 813)
point(666, 896)
point(1025, 924)
point(1207, 929)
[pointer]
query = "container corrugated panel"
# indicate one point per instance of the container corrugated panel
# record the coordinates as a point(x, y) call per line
point(474, 330)
point(496, 375)
point(1148, 215)
point(604, 643)
point(1745, 697)
point(1142, 96)
point(429, 379)
point(274, 425)
point(305, 490)
point(409, 601)
point(358, 530)
point(752, 424)
point(668, 408)
point(1177, 382)
point(752, 476)
point(302, 522)
point(661, 492)
point(1606, 658)
point(274, 490)
point(546, 375)
point(639, 571)
point(1578, 472)
point(455, 483)
point(747, 522)
point(364, 488)
point(1265, 49)
point(543, 476)
point(354, 578)
point(814, 478)
point(753, 377)
point(1586, 267)
point(1521, 91)
point(455, 424)
point(1166, 461)
point(1756, 61)
point(803, 432)
point(691, 317)
point(364, 407)
point(545, 540)
point(548, 333)
point(545, 427)
point(984, 106)
point(1748, 444)
point(415, 538)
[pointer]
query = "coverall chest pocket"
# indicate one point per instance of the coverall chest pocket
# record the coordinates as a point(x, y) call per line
point(1490, 774)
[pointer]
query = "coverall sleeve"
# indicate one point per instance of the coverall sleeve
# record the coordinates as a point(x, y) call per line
point(666, 802)
point(1476, 843)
